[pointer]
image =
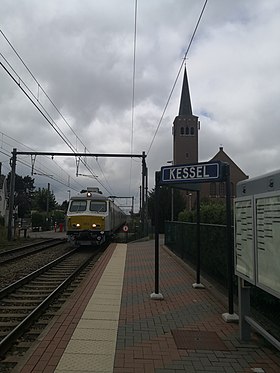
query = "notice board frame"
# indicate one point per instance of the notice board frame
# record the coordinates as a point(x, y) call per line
point(261, 230)
point(238, 252)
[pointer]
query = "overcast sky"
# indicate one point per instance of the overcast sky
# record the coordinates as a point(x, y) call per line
point(81, 53)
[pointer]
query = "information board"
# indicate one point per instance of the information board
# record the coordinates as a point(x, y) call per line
point(268, 242)
point(244, 239)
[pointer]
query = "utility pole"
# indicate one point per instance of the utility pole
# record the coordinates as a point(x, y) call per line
point(48, 200)
point(12, 194)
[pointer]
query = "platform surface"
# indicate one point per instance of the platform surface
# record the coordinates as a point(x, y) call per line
point(110, 323)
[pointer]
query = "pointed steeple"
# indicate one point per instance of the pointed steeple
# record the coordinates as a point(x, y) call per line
point(185, 103)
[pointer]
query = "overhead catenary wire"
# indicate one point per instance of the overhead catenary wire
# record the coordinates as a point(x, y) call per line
point(42, 171)
point(177, 76)
point(50, 121)
point(41, 88)
point(43, 112)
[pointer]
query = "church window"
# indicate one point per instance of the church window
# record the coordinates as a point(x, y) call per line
point(182, 130)
point(192, 130)
point(187, 131)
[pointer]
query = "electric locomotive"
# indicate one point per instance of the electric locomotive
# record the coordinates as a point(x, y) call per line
point(92, 218)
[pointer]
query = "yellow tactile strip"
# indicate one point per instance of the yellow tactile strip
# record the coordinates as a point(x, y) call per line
point(93, 343)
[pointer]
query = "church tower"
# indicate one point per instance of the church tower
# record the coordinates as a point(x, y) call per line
point(185, 129)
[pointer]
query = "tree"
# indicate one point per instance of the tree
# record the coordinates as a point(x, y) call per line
point(24, 187)
point(63, 206)
point(165, 205)
point(43, 200)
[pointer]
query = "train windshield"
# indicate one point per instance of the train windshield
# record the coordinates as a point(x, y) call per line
point(79, 205)
point(98, 206)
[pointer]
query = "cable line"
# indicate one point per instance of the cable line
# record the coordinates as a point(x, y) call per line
point(59, 132)
point(45, 114)
point(178, 74)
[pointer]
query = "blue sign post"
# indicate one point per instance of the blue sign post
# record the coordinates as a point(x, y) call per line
point(188, 177)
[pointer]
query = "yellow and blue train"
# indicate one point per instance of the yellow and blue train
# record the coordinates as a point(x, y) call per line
point(92, 218)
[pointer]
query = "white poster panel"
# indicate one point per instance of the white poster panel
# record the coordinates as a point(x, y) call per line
point(244, 239)
point(268, 242)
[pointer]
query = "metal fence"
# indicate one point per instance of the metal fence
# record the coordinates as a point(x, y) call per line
point(181, 238)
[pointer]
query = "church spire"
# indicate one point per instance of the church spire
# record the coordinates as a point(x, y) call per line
point(185, 103)
point(185, 129)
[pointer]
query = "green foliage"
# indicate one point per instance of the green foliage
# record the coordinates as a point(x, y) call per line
point(211, 212)
point(38, 219)
point(187, 216)
point(58, 216)
point(63, 206)
point(24, 187)
point(46, 221)
point(43, 200)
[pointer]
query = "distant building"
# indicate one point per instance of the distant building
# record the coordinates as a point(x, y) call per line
point(185, 148)
point(3, 196)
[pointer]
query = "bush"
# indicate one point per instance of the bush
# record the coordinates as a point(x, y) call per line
point(211, 212)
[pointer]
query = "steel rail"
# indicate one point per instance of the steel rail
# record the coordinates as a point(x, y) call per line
point(24, 280)
point(47, 244)
point(10, 338)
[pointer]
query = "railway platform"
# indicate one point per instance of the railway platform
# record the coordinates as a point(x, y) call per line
point(110, 323)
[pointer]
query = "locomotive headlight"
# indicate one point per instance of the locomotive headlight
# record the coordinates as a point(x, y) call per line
point(93, 225)
point(76, 225)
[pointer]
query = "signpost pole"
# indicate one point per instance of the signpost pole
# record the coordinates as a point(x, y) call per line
point(198, 236)
point(198, 285)
point(157, 294)
point(204, 173)
point(230, 316)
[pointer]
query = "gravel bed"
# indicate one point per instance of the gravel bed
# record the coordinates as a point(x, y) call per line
point(6, 246)
point(14, 271)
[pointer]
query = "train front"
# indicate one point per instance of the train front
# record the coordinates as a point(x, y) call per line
point(86, 217)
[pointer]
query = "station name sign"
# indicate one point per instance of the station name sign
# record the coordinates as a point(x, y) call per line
point(194, 173)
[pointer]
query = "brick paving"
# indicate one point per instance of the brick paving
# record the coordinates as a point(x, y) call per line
point(46, 355)
point(145, 341)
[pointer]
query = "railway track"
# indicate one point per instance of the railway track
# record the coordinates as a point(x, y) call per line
point(21, 252)
point(22, 302)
